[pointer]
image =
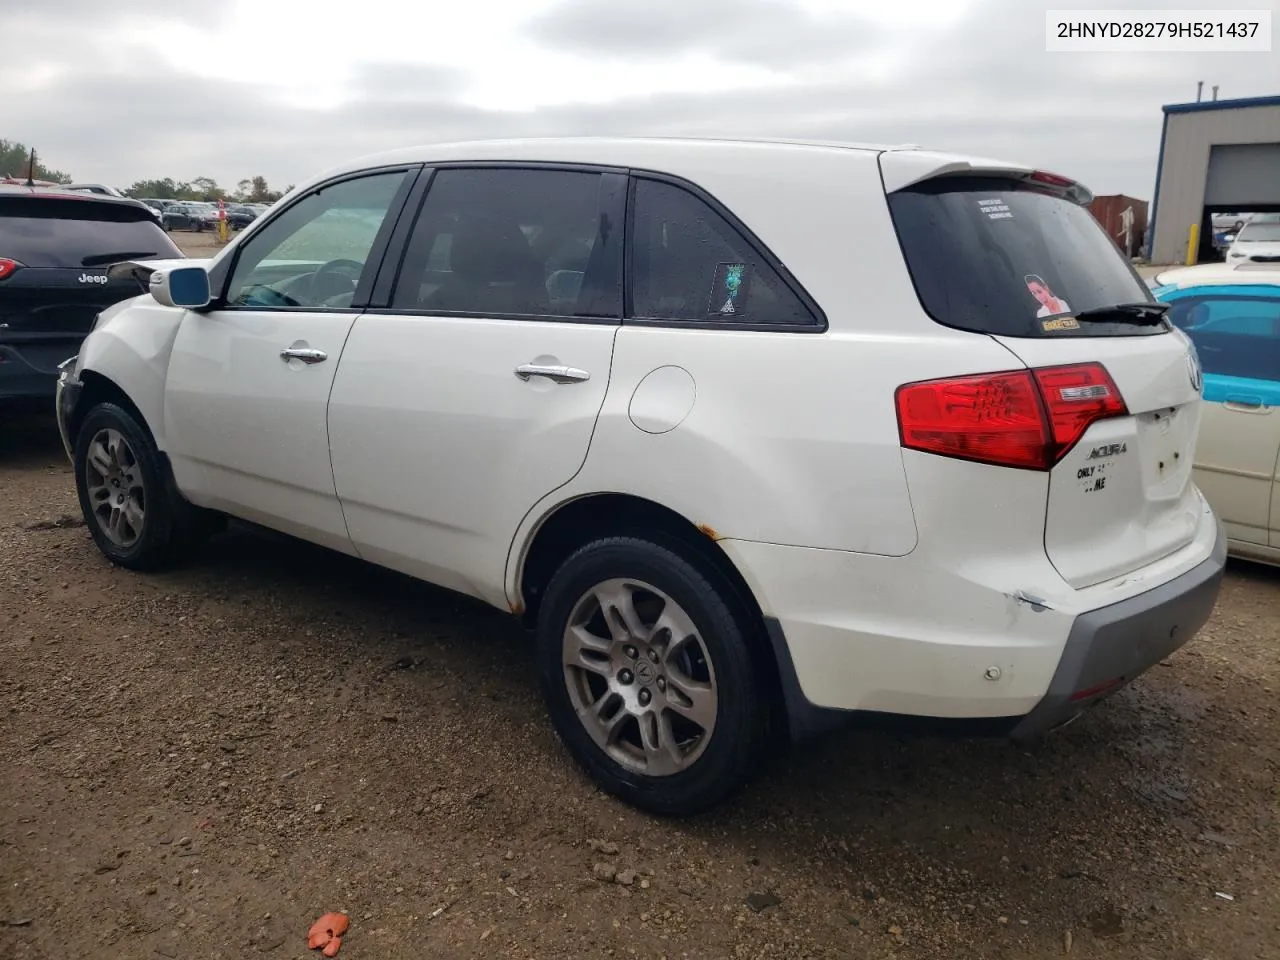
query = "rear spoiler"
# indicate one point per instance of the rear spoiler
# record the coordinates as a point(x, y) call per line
point(900, 169)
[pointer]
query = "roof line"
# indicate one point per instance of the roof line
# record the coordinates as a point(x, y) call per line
point(1241, 103)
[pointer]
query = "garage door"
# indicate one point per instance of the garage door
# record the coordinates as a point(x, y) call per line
point(1242, 175)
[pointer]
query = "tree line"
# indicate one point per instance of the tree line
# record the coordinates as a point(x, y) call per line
point(15, 161)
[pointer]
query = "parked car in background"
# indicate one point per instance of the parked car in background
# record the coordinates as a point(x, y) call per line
point(55, 247)
point(156, 204)
point(739, 478)
point(1258, 241)
point(1232, 315)
point(240, 215)
point(190, 215)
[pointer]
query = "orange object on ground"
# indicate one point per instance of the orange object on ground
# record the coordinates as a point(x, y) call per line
point(327, 933)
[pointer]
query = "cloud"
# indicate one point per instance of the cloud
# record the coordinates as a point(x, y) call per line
point(769, 33)
point(118, 109)
point(84, 14)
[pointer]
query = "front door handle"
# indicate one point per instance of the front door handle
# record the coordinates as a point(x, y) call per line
point(558, 374)
point(305, 354)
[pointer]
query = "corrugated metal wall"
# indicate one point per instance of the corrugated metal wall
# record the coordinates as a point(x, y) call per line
point(1189, 138)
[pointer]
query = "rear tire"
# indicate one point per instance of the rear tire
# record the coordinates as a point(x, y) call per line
point(648, 677)
point(133, 511)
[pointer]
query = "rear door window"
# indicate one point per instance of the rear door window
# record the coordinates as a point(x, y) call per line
point(688, 263)
point(1003, 257)
point(1235, 335)
point(65, 232)
point(514, 242)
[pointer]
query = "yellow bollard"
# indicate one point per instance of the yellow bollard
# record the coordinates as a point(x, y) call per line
point(222, 231)
point(1193, 245)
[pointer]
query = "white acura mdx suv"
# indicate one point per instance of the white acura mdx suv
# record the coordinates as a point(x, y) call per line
point(755, 435)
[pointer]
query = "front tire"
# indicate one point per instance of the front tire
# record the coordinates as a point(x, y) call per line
point(133, 512)
point(648, 677)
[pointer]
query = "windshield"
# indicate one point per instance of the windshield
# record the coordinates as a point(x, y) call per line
point(76, 233)
point(1000, 256)
point(1255, 231)
point(1237, 334)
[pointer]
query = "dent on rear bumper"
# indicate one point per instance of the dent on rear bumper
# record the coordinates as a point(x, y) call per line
point(905, 636)
point(1110, 646)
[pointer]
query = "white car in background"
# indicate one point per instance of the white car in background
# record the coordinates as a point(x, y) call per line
point(755, 436)
point(1257, 242)
point(1232, 315)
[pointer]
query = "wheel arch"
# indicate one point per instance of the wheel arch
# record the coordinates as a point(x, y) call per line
point(582, 520)
point(98, 388)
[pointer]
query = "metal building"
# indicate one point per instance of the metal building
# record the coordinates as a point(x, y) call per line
point(1216, 156)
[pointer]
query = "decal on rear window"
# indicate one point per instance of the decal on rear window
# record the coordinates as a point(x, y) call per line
point(1050, 305)
point(995, 209)
point(728, 289)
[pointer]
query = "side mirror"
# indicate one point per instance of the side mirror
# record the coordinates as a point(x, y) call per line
point(181, 287)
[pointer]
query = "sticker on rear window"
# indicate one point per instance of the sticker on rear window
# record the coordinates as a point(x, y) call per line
point(1050, 305)
point(995, 209)
point(1059, 323)
point(728, 290)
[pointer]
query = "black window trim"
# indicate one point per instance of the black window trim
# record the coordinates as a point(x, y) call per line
point(220, 275)
point(387, 288)
point(761, 250)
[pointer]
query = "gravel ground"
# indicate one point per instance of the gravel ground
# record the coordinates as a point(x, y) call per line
point(200, 763)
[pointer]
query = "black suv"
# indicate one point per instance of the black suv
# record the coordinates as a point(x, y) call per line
point(54, 250)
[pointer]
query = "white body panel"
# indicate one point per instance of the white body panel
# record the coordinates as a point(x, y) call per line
point(130, 347)
point(246, 429)
point(439, 449)
point(1236, 463)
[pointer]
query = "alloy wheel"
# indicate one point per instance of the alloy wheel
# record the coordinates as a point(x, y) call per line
point(639, 677)
point(117, 494)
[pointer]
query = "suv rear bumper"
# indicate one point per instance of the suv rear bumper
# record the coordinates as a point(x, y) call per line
point(859, 635)
point(1110, 646)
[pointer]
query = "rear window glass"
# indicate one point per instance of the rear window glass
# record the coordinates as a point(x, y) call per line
point(78, 233)
point(1235, 336)
point(1001, 257)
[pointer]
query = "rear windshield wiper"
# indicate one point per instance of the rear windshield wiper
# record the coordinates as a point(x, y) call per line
point(99, 259)
point(1141, 313)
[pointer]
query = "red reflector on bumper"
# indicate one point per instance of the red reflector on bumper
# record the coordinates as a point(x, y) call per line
point(1097, 690)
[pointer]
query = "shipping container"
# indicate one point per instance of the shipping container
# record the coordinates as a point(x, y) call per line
point(1124, 219)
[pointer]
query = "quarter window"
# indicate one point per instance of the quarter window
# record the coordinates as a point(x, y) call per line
point(689, 263)
point(513, 242)
point(314, 253)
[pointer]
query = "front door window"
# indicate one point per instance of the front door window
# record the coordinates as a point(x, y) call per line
point(315, 252)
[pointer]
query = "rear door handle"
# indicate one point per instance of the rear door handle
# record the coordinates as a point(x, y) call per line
point(1246, 404)
point(305, 354)
point(556, 373)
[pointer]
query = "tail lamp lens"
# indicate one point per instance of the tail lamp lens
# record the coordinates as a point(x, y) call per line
point(1027, 419)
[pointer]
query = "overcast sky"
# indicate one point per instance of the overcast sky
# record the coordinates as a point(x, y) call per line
point(123, 90)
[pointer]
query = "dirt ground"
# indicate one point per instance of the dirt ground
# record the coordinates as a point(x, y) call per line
point(200, 763)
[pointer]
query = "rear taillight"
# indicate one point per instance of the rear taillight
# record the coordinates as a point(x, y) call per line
point(1076, 396)
point(1021, 418)
point(8, 268)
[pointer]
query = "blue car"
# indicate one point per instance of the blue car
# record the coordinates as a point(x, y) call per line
point(1232, 316)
